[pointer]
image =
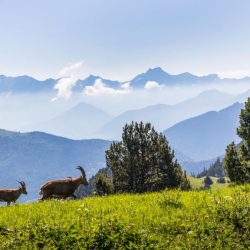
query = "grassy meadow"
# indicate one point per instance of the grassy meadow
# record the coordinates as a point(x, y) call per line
point(198, 183)
point(210, 219)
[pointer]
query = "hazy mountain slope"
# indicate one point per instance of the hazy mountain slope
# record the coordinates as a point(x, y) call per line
point(163, 116)
point(22, 84)
point(206, 136)
point(206, 101)
point(79, 122)
point(113, 129)
point(38, 157)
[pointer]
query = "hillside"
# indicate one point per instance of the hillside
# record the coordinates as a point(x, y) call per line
point(198, 183)
point(38, 157)
point(206, 136)
point(166, 220)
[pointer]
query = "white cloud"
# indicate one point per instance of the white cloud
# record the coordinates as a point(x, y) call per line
point(64, 87)
point(67, 81)
point(152, 85)
point(71, 69)
point(100, 88)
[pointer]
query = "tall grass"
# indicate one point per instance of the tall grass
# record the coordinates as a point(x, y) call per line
point(211, 219)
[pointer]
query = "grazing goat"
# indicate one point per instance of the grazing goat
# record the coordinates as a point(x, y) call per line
point(63, 188)
point(11, 195)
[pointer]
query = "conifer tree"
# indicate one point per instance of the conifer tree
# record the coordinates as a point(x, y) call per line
point(208, 181)
point(143, 161)
point(237, 161)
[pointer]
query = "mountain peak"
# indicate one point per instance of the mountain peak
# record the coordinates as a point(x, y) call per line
point(156, 70)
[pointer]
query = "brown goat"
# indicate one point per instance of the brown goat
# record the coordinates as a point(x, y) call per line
point(63, 188)
point(11, 195)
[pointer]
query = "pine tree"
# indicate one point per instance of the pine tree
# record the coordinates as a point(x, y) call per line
point(143, 161)
point(232, 164)
point(237, 161)
point(208, 181)
point(244, 129)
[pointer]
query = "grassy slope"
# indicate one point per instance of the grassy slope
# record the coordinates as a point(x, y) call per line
point(198, 183)
point(167, 220)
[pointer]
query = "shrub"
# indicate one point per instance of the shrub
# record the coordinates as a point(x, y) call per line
point(221, 180)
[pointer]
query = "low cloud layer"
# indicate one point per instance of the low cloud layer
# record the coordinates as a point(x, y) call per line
point(152, 85)
point(99, 88)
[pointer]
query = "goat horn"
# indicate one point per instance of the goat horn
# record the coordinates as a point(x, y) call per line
point(22, 183)
point(82, 171)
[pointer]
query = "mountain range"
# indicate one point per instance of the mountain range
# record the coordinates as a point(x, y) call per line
point(87, 121)
point(37, 157)
point(163, 78)
point(163, 116)
point(28, 84)
point(22, 84)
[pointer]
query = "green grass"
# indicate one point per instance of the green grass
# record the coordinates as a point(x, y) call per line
point(198, 183)
point(211, 219)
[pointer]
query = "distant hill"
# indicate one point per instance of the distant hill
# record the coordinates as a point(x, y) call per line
point(79, 122)
point(206, 136)
point(38, 157)
point(163, 116)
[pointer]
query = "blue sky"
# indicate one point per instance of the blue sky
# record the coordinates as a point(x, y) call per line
point(118, 39)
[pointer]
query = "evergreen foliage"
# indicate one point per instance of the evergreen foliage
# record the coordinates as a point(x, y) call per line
point(143, 161)
point(203, 173)
point(103, 184)
point(216, 170)
point(237, 160)
point(232, 164)
point(208, 181)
